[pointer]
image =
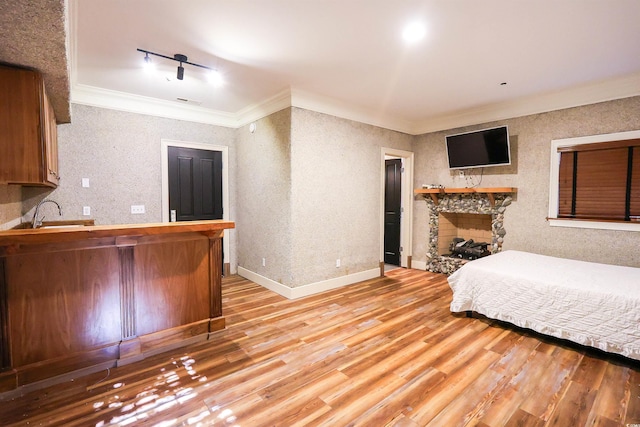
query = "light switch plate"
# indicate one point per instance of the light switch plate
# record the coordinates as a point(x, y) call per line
point(86, 210)
point(85, 182)
point(137, 209)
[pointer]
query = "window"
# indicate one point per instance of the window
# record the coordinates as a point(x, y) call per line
point(595, 182)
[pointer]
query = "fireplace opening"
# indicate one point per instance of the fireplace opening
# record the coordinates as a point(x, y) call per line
point(464, 235)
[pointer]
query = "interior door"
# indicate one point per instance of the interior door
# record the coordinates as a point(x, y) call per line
point(195, 184)
point(392, 210)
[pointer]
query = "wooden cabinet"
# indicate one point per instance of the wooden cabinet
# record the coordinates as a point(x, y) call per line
point(28, 134)
point(88, 298)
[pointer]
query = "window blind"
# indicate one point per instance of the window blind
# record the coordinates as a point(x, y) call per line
point(600, 181)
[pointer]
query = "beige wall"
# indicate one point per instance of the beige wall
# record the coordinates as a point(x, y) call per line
point(308, 194)
point(525, 220)
point(335, 175)
point(263, 218)
point(304, 188)
point(10, 204)
point(120, 154)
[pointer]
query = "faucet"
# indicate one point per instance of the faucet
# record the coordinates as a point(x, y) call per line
point(35, 222)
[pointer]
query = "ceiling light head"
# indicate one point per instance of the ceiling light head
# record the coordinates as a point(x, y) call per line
point(148, 64)
point(180, 58)
point(414, 32)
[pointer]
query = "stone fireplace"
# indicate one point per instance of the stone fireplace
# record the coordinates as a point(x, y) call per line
point(472, 214)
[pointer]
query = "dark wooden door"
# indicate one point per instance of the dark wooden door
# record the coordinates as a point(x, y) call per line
point(195, 183)
point(392, 210)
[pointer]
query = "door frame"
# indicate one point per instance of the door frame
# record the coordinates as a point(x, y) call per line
point(406, 221)
point(164, 160)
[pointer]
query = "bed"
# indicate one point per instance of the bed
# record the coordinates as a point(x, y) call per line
point(592, 304)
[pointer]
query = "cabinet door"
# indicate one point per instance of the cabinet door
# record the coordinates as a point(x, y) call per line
point(28, 134)
point(20, 139)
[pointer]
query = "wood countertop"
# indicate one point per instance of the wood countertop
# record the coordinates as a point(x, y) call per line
point(68, 234)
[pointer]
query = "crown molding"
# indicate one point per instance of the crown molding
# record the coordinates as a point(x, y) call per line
point(114, 100)
point(591, 93)
point(333, 107)
point(271, 105)
point(623, 87)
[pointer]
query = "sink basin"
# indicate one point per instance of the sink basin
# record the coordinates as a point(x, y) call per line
point(72, 223)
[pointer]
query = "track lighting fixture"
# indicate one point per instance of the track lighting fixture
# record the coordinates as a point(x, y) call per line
point(181, 59)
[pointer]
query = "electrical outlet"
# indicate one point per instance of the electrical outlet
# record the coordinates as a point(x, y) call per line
point(85, 182)
point(264, 262)
point(86, 210)
point(137, 209)
point(338, 263)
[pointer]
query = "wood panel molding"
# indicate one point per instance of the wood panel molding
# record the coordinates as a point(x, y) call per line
point(127, 293)
point(215, 277)
point(5, 355)
point(80, 299)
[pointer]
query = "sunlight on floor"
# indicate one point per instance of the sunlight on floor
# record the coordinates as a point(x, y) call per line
point(165, 393)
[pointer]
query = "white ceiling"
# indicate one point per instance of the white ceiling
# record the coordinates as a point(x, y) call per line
point(348, 58)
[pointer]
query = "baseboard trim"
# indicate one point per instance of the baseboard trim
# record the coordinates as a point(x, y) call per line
point(418, 265)
point(310, 289)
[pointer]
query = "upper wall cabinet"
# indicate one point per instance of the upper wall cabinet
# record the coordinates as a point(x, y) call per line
point(28, 134)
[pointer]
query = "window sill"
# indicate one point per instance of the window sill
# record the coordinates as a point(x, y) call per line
point(601, 225)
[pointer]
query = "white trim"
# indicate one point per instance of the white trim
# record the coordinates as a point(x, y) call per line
point(121, 101)
point(622, 226)
point(554, 176)
point(310, 289)
point(334, 107)
point(406, 221)
point(418, 265)
point(164, 161)
point(271, 105)
point(590, 93)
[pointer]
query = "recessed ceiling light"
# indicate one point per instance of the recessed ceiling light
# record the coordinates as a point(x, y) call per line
point(414, 32)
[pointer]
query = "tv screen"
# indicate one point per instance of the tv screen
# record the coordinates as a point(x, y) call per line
point(486, 147)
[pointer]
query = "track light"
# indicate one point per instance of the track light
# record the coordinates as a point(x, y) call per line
point(148, 65)
point(181, 59)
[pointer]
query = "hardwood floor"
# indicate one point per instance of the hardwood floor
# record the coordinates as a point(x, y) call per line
point(386, 352)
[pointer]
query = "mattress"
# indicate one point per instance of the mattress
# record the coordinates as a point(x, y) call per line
point(592, 304)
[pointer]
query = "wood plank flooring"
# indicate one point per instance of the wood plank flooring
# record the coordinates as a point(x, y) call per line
point(385, 352)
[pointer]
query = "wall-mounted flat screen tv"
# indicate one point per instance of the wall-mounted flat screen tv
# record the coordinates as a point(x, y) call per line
point(486, 147)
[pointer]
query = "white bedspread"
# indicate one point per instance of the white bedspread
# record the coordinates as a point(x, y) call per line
point(591, 304)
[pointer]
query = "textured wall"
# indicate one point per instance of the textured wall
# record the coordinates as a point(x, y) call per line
point(120, 154)
point(335, 176)
point(10, 203)
point(33, 35)
point(264, 197)
point(525, 220)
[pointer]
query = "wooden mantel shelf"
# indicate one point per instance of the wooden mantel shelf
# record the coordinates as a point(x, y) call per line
point(489, 191)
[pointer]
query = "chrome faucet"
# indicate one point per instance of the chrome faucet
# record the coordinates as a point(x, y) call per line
point(35, 222)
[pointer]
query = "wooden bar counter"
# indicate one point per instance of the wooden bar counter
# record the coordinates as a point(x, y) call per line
point(87, 298)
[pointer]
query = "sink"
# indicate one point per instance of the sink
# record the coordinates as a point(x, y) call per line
point(72, 223)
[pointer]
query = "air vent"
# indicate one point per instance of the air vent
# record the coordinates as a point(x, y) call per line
point(189, 101)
